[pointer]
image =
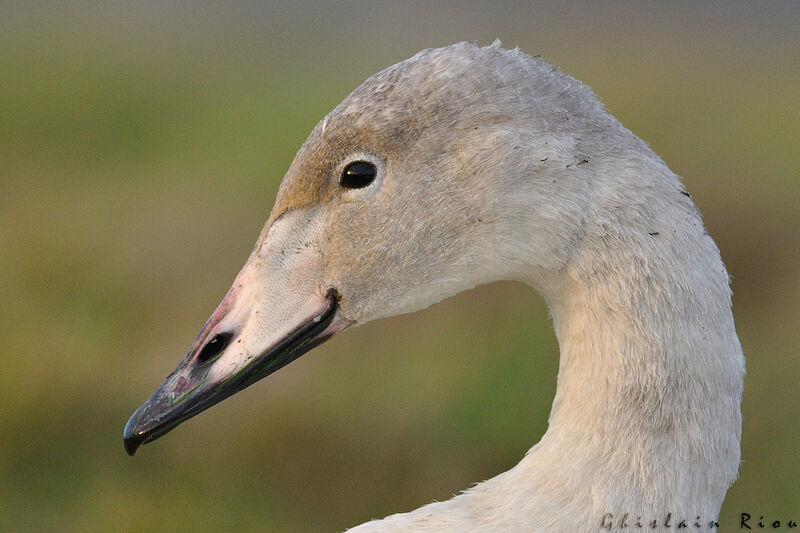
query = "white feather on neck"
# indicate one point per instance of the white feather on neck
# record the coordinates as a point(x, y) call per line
point(646, 419)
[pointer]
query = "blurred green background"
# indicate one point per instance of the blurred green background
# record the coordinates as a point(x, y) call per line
point(141, 147)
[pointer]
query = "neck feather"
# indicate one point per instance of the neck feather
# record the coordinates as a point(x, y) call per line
point(646, 419)
point(646, 423)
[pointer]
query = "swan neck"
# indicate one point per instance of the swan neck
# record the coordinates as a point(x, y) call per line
point(650, 374)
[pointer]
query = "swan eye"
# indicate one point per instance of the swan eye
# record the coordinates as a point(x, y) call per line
point(214, 347)
point(357, 175)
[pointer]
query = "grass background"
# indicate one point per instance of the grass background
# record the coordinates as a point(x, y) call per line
point(141, 146)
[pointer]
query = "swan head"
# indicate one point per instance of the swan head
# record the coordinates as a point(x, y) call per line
point(451, 169)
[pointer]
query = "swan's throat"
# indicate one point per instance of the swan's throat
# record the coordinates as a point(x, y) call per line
point(646, 419)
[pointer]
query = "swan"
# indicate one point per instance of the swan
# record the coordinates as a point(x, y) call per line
point(464, 165)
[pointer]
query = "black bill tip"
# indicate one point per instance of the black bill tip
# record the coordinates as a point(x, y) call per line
point(132, 438)
point(131, 444)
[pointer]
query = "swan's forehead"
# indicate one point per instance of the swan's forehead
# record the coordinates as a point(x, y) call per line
point(425, 100)
point(307, 182)
point(312, 179)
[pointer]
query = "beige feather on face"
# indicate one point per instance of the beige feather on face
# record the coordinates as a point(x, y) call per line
point(449, 159)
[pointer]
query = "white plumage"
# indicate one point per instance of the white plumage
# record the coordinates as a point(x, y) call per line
point(493, 165)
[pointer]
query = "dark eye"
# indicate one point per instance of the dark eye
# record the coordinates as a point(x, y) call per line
point(357, 175)
point(214, 347)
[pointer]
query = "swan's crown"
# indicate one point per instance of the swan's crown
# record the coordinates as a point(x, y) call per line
point(429, 106)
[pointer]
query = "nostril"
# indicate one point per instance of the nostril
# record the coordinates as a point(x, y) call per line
point(214, 347)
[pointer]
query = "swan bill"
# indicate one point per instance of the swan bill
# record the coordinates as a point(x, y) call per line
point(193, 387)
